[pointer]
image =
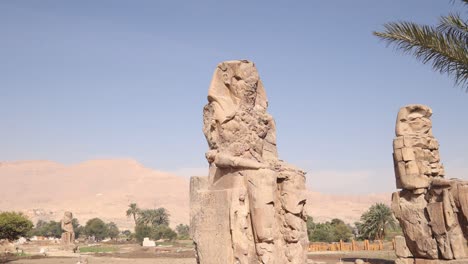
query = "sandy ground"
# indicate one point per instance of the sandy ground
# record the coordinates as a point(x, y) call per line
point(373, 257)
point(383, 257)
point(102, 260)
point(176, 253)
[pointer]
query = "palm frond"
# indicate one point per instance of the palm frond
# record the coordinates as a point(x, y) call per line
point(454, 25)
point(463, 1)
point(448, 53)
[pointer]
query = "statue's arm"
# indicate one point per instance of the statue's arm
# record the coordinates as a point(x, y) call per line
point(223, 160)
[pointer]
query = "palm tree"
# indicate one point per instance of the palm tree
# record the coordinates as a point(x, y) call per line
point(133, 210)
point(445, 46)
point(375, 222)
point(154, 217)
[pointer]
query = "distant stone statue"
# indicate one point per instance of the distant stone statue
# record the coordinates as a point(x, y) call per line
point(250, 208)
point(432, 211)
point(68, 235)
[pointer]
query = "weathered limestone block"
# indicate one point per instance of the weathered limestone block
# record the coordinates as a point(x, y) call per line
point(211, 215)
point(250, 208)
point(401, 260)
point(68, 235)
point(462, 196)
point(432, 211)
point(401, 250)
point(416, 226)
point(437, 223)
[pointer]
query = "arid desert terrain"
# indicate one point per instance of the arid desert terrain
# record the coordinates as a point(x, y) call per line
point(104, 188)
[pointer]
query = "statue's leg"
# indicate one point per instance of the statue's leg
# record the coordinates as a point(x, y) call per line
point(261, 187)
point(291, 185)
point(241, 228)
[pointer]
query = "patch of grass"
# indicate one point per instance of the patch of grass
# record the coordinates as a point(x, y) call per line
point(164, 243)
point(97, 249)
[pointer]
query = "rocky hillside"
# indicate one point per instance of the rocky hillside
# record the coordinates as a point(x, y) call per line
point(104, 188)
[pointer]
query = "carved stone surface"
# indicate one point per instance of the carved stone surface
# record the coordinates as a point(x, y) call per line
point(431, 209)
point(68, 234)
point(250, 208)
point(401, 250)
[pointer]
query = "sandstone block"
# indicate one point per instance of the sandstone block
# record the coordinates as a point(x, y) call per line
point(436, 215)
point(404, 261)
point(408, 154)
point(398, 143)
point(398, 155)
point(401, 250)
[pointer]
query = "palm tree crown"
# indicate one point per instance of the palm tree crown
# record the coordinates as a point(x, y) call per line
point(133, 210)
point(153, 217)
point(445, 46)
point(376, 221)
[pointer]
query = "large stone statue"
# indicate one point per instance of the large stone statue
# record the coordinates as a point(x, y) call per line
point(250, 208)
point(68, 235)
point(432, 210)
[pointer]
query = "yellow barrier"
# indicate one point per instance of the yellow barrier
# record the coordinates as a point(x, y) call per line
point(342, 246)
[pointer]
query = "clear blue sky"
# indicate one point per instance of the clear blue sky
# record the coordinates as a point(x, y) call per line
point(82, 80)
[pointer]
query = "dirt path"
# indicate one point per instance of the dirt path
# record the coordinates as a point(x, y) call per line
point(373, 257)
point(324, 257)
point(107, 260)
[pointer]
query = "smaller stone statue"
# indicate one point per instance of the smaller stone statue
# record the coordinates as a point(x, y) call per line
point(432, 210)
point(68, 235)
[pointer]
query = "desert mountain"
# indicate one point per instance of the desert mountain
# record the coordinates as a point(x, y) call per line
point(104, 188)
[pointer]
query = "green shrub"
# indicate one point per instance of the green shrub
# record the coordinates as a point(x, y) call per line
point(97, 228)
point(47, 229)
point(163, 232)
point(112, 230)
point(97, 249)
point(77, 228)
point(182, 231)
point(142, 231)
point(154, 232)
point(333, 231)
point(14, 225)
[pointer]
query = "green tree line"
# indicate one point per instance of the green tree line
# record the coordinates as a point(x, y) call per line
point(377, 223)
point(154, 224)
